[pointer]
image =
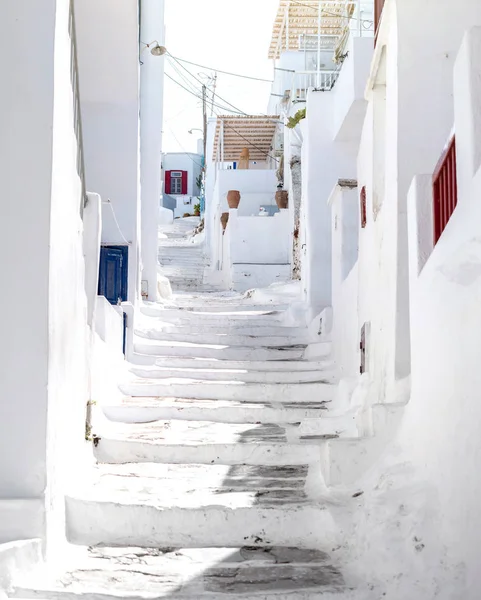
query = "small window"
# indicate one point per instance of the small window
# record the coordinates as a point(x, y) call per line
point(176, 183)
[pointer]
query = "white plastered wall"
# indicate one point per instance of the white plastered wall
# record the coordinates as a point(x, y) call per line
point(44, 354)
point(108, 47)
point(151, 115)
point(418, 118)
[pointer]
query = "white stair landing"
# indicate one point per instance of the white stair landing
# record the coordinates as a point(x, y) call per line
point(189, 506)
point(203, 442)
point(277, 573)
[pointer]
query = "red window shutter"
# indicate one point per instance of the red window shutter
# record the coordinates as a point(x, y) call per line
point(445, 189)
point(363, 208)
point(184, 182)
point(167, 183)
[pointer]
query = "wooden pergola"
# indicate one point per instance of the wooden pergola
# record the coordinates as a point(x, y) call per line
point(327, 20)
point(234, 133)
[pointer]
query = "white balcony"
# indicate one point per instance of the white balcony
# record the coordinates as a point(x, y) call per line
point(303, 81)
point(311, 43)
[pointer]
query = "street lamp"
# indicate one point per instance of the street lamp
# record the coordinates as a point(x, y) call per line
point(155, 48)
point(196, 129)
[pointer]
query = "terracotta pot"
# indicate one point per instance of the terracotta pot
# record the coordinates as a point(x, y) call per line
point(223, 219)
point(233, 198)
point(282, 198)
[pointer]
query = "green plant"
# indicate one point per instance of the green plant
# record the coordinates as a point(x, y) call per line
point(197, 210)
point(198, 181)
point(297, 118)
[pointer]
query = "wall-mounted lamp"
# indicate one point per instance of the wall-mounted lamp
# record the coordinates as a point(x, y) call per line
point(155, 48)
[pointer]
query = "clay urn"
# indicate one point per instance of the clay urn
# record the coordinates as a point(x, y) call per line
point(282, 198)
point(233, 198)
point(223, 219)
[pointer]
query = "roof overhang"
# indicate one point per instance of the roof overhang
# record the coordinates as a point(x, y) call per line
point(309, 18)
point(253, 132)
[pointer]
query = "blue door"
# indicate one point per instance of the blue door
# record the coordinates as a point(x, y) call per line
point(113, 276)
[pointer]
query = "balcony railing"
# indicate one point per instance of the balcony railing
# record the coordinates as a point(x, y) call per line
point(74, 78)
point(445, 189)
point(303, 81)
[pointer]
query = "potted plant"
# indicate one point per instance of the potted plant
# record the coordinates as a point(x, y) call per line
point(223, 219)
point(233, 198)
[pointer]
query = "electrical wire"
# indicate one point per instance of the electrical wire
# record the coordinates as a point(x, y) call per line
point(109, 202)
point(237, 110)
point(202, 84)
point(189, 154)
point(193, 87)
point(220, 107)
point(224, 72)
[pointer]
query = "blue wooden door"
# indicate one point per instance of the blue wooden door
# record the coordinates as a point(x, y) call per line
point(113, 276)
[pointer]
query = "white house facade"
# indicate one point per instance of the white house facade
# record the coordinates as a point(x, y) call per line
point(181, 175)
point(74, 104)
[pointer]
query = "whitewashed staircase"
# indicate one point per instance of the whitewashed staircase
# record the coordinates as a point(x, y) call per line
point(180, 259)
point(208, 480)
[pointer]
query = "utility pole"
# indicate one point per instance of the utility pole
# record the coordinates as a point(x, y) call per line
point(213, 94)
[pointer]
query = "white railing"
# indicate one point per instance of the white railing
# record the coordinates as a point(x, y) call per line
point(303, 81)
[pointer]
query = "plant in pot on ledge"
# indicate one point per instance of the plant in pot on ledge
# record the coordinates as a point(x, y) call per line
point(233, 198)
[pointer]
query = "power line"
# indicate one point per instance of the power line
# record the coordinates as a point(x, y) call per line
point(224, 72)
point(200, 97)
point(202, 83)
point(189, 154)
point(181, 75)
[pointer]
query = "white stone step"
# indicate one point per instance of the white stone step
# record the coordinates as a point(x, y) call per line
point(207, 442)
point(204, 442)
point(223, 339)
point(230, 390)
point(190, 506)
point(241, 375)
point(232, 328)
point(243, 573)
point(160, 348)
point(250, 366)
point(202, 303)
point(268, 317)
point(219, 322)
point(147, 409)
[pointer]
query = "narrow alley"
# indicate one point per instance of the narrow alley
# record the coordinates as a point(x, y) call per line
point(240, 283)
point(209, 480)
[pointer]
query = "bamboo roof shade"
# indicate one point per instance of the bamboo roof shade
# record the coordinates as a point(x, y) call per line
point(294, 19)
point(253, 132)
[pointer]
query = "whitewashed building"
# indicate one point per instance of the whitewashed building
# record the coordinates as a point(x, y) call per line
point(121, 80)
point(249, 246)
point(70, 123)
point(321, 52)
point(182, 181)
